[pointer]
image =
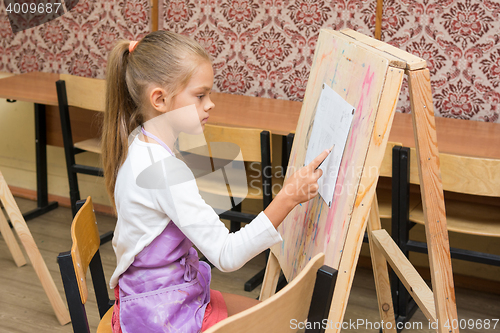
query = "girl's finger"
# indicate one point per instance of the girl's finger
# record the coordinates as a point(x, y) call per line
point(318, 173)
point(319, 159)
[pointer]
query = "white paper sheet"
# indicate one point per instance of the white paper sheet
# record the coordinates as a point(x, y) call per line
point(331, 126)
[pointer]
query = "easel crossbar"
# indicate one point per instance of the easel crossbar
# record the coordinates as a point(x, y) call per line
point(411, 279)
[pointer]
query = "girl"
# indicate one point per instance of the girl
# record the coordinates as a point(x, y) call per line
point(160, 286)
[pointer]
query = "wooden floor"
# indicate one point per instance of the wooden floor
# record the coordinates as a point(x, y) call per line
point(25, 308)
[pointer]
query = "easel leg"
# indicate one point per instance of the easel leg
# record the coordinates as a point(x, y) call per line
point(36, 258)
point(431, 187)
point(11, 242)
point(358, 222)
point(271, 277)
point(380, 273)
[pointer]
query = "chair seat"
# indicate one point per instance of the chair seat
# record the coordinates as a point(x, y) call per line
point(92, 145)
point(105, 323)
point(466, 217)
point(252, 189)
point(384, 197)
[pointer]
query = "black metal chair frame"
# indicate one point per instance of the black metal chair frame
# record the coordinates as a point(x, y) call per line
point(321, 300)
point(404, 305)
point(76, 307)
point(70, 150)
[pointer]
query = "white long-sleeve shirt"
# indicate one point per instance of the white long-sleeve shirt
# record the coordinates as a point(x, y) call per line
point(153, 188)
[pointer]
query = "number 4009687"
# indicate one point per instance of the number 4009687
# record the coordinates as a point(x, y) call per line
point(34, 8)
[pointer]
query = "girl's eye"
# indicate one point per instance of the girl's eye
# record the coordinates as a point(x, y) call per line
point(200, 96)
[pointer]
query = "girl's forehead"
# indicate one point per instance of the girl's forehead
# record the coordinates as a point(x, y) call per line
point(203, 77)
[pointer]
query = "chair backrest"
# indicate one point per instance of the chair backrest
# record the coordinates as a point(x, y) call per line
point(85, 93)
point(248, 139)
point(464, 174)
point(254, 145)
point(89, 94)
point(386, 166)
point(74, 264)
point(86, 241)
point(281, 311)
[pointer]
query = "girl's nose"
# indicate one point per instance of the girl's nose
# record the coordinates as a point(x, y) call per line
point(209, 106)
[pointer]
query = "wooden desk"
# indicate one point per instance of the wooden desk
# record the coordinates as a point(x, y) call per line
point(277, 116)
point(40, 89)
point(35, 87)
point(455, 136)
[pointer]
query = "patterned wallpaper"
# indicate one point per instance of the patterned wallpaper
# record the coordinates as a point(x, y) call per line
point(460, 41)
point(265, 47)
point(77, 42)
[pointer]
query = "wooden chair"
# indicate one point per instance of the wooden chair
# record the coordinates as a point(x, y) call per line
point(460, 174)
point(255, 146)
point(73, 265)
point(308, 296)
point(85, 93)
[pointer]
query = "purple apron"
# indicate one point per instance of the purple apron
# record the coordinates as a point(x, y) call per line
point(167, 288)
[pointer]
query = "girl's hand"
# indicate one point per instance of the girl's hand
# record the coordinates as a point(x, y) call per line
point(302, 185)
point(299, 187)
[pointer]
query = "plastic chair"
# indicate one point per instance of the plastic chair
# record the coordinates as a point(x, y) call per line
point(85, 93)
point(308, 296)
point(74, 264)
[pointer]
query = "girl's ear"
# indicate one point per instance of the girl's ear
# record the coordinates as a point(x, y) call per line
point(159, 99)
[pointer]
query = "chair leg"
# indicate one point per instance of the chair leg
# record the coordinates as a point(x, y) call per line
point(69, 150)
point(74, 191)
point(257, 279)
point(236, 225)
point(100, 285)
point(404, 305)
point(71, 289)
point(321, 298)
point(395, 220)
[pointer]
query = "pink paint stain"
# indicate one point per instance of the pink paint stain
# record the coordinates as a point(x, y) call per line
point(347, 158)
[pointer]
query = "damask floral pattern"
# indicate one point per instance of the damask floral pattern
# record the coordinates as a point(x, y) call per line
point(234, 79)
point(460, 42)
point(270, 49)
point(178, 14)
point(265, 47)
point(239, 13)
point(77, 42)
point(466, 22)
point(308, 15)
point(458, 101)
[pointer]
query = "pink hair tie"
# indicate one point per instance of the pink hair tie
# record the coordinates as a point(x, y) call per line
point(132, 46)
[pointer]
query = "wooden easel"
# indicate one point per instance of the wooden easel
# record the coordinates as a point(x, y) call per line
point(346, 60)
point(29, 244)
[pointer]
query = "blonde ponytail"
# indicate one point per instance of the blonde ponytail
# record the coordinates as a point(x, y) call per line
point(121, 116)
